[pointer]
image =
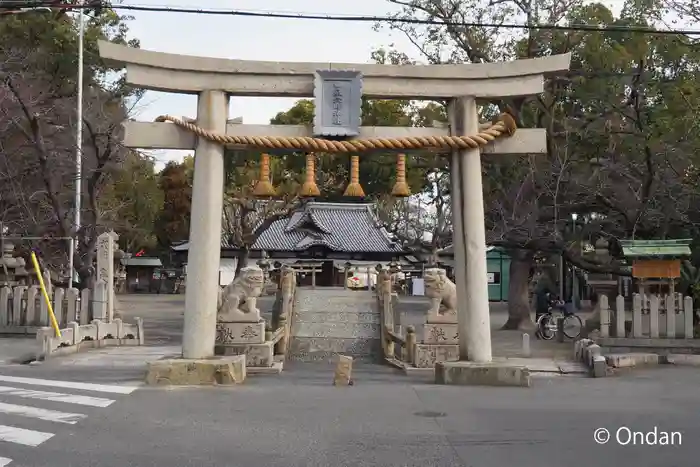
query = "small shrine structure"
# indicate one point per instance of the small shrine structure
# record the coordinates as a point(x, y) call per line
point(656, 264)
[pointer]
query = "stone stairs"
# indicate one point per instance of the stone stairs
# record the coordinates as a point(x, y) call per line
point(331, 320)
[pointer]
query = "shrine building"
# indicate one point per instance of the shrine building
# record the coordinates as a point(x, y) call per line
point(323, 242)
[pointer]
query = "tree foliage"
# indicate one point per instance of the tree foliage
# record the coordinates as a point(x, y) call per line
point(132, 202)
point(173, 222)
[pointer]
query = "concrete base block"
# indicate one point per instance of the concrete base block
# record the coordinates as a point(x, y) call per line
point(599, 367)
point(184, 372)
point(443, 334)
point(240, 333)
point(482, 374)
point(633, 359)
point(257, 355)
point(427, 355)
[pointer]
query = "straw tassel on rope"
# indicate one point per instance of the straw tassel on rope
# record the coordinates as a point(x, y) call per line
point(401, 188)
point(309, 189)
point(354, 189)
point(263, 188)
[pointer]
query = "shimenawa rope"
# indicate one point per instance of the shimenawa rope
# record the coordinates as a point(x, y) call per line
point(503, 126)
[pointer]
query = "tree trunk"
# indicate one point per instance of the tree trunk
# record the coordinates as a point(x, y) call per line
point(243, 257)
point(519, 291)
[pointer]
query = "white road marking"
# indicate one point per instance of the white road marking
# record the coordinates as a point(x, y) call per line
point(41, 414)
point(22, 436)
point(4, 461)
point(69, 384)
point(56, 397)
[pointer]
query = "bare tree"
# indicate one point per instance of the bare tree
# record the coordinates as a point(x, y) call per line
point(37, 121)
point(422, 221)
point(246, 218)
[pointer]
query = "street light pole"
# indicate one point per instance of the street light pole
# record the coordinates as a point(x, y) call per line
point(78, 146)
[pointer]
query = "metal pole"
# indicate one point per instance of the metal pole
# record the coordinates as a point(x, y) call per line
point(574, 279)
point(78, 146)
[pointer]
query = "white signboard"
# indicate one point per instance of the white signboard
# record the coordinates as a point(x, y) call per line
point(492, 277)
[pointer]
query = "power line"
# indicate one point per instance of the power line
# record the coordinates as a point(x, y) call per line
point(353, 18)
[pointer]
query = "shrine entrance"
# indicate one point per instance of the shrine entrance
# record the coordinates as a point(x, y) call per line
point(338, 89)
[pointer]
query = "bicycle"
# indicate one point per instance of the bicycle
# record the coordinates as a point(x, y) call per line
point(547, 322)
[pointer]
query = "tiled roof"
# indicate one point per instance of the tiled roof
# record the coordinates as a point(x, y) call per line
point(345, 227)
point(337, 226)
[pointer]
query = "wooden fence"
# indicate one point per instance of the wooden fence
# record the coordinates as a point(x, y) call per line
point(23, 309)
point(652, 317)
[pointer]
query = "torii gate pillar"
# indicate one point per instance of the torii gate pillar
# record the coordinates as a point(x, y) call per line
point(469, 232)
point(205, 231)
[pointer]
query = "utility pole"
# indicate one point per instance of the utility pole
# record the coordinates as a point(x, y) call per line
point(78, 146)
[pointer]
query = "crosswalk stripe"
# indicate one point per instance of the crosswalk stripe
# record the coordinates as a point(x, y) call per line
point(4, 461)
point(21, 436)
point(69, 384)
point(56, 397)
point(41, 414)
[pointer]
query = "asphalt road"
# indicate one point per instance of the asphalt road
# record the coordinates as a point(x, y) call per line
point(299, 419)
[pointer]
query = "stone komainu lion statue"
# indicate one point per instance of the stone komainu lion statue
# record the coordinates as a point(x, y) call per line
point(237, 301)
point(442, 293)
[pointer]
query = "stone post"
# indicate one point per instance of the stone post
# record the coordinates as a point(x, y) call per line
point(106, 244)
point(205, 230)
point(470, 238)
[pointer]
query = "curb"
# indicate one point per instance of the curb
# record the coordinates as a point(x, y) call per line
point(590, 354)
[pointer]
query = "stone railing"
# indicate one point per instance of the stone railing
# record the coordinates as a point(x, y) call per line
point(391, 329)
point(665, 326)
point(23, 309)
point(76, 337)
point(660, 317)
point(282, 311)
point(439, 341)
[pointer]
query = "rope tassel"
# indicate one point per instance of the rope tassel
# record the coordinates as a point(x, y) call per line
point(309, 189)
point(401, 188)
point(354, 189)
point(263, 188)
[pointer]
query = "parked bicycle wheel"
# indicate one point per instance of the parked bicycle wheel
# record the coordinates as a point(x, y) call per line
point(546, 327)
point(572, 326)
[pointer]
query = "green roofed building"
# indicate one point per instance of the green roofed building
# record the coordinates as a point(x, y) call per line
point(656, 264)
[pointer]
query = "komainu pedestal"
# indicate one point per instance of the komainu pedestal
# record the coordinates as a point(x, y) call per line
point(440, 339)
point(239, 328)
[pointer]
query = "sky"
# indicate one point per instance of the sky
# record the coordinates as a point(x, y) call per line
point(246, 38)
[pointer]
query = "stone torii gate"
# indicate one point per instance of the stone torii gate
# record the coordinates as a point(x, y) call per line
point(214, 80)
